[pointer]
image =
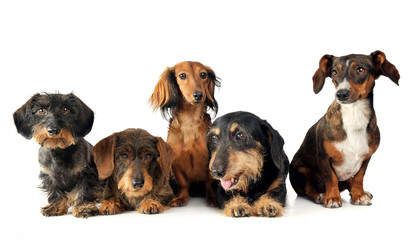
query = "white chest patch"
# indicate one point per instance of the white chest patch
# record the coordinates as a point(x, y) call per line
point(354, 148)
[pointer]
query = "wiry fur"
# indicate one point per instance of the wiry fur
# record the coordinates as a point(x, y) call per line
point(134, 155)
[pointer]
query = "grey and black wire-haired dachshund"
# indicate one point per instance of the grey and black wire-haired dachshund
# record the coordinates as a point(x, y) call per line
point(248, 162)
point(336, 150)
point(137, 167)
point(59, 122)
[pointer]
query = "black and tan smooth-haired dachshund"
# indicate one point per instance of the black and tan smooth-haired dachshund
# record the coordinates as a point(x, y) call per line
point(59, 122)
point(247, 159)
point(137, 168)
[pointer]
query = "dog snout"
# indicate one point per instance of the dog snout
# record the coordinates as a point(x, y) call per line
point(218, 170)
point(53, 131)
point(198, 96)
point(137, 183)
point(343, 95)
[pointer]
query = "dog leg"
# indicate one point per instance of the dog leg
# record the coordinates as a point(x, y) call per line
point(356, 189)
point(57, 208)
point(183, 196)
point(151, 206)
point(210, 192)
point(237, 207)
point(111, 207)
point(332, 197)
point(272, 203)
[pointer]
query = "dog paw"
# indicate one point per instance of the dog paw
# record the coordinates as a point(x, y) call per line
point(179, 202)
point(267, 207)
point(320, 198)
point(332, 202)
point(237, 211)
point(85, 210)
point(151, 206)
point(364, 199)
point(110, 207)
point(56, 209)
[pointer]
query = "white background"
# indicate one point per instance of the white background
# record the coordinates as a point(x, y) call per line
point(111, 54)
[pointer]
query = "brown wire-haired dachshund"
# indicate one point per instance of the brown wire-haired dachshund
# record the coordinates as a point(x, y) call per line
point(184, 93)
point(59, 123)
point(138, 168)
point(337, 149)
point(247, 158)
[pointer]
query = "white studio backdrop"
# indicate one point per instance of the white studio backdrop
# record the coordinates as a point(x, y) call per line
point(111, 54)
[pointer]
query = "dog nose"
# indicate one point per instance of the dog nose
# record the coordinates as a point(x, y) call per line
point(198, 95)
point(219, 172)
point(53, 131)
point(137, 184)
point(343, 94)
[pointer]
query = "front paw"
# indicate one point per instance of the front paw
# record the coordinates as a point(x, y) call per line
point(85, 210)
point(363, 199)
point(179, 201)
point(151, 206)
point(110, 207)
point(332, 201)
point(237, 207)
point(55, 209)
point(266, 207)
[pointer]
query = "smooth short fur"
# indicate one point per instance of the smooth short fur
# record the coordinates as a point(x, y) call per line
point(337, 149)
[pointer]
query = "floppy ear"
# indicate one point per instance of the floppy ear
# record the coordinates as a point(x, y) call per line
point(22, 118)
point(104, 156)
point(384, 67)
point(276, 143)
point(165, 96)
point(166, 157)
point(213, 82)
point(323, 71)
point(85, 118)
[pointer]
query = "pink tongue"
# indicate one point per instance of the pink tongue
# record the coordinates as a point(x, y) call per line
point(225, 183)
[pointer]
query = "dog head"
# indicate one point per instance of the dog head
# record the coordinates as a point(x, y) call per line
point(54, 120)
point(240, 144)
point(186, 81)
point(134, 158)
point(354, 75)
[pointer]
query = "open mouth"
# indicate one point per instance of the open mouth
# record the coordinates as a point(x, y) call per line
point(230, 182)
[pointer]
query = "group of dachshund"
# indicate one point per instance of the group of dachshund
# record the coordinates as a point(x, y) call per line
point(237, 162)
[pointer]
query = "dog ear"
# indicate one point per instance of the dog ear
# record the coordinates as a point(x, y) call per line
point(103, 153)
point(85, 118)
point(166, 157)
point(213, 82)
point(165, 96)
point(323, 71)
point(276, 143)
point(384, 67)
point(22, 118)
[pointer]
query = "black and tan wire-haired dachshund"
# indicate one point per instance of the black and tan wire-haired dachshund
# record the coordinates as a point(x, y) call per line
point(185, 93)
point(59, 122)
point(137, 167)
point(247, 158)
point(336, 150)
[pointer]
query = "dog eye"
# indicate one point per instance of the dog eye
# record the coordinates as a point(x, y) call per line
point(124, 156)
point(203, 75)
point(360, 70)
point(334, 73)
point(182, 76)
point(65, 110)
point(42, 111)
point(240, 136)
point(148, 156)
point(215, 138)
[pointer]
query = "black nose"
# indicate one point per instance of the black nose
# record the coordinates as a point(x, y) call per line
point(343, 94)
point(53, 131)
point(218, 172)
point(198, 95)
point(137, 184)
